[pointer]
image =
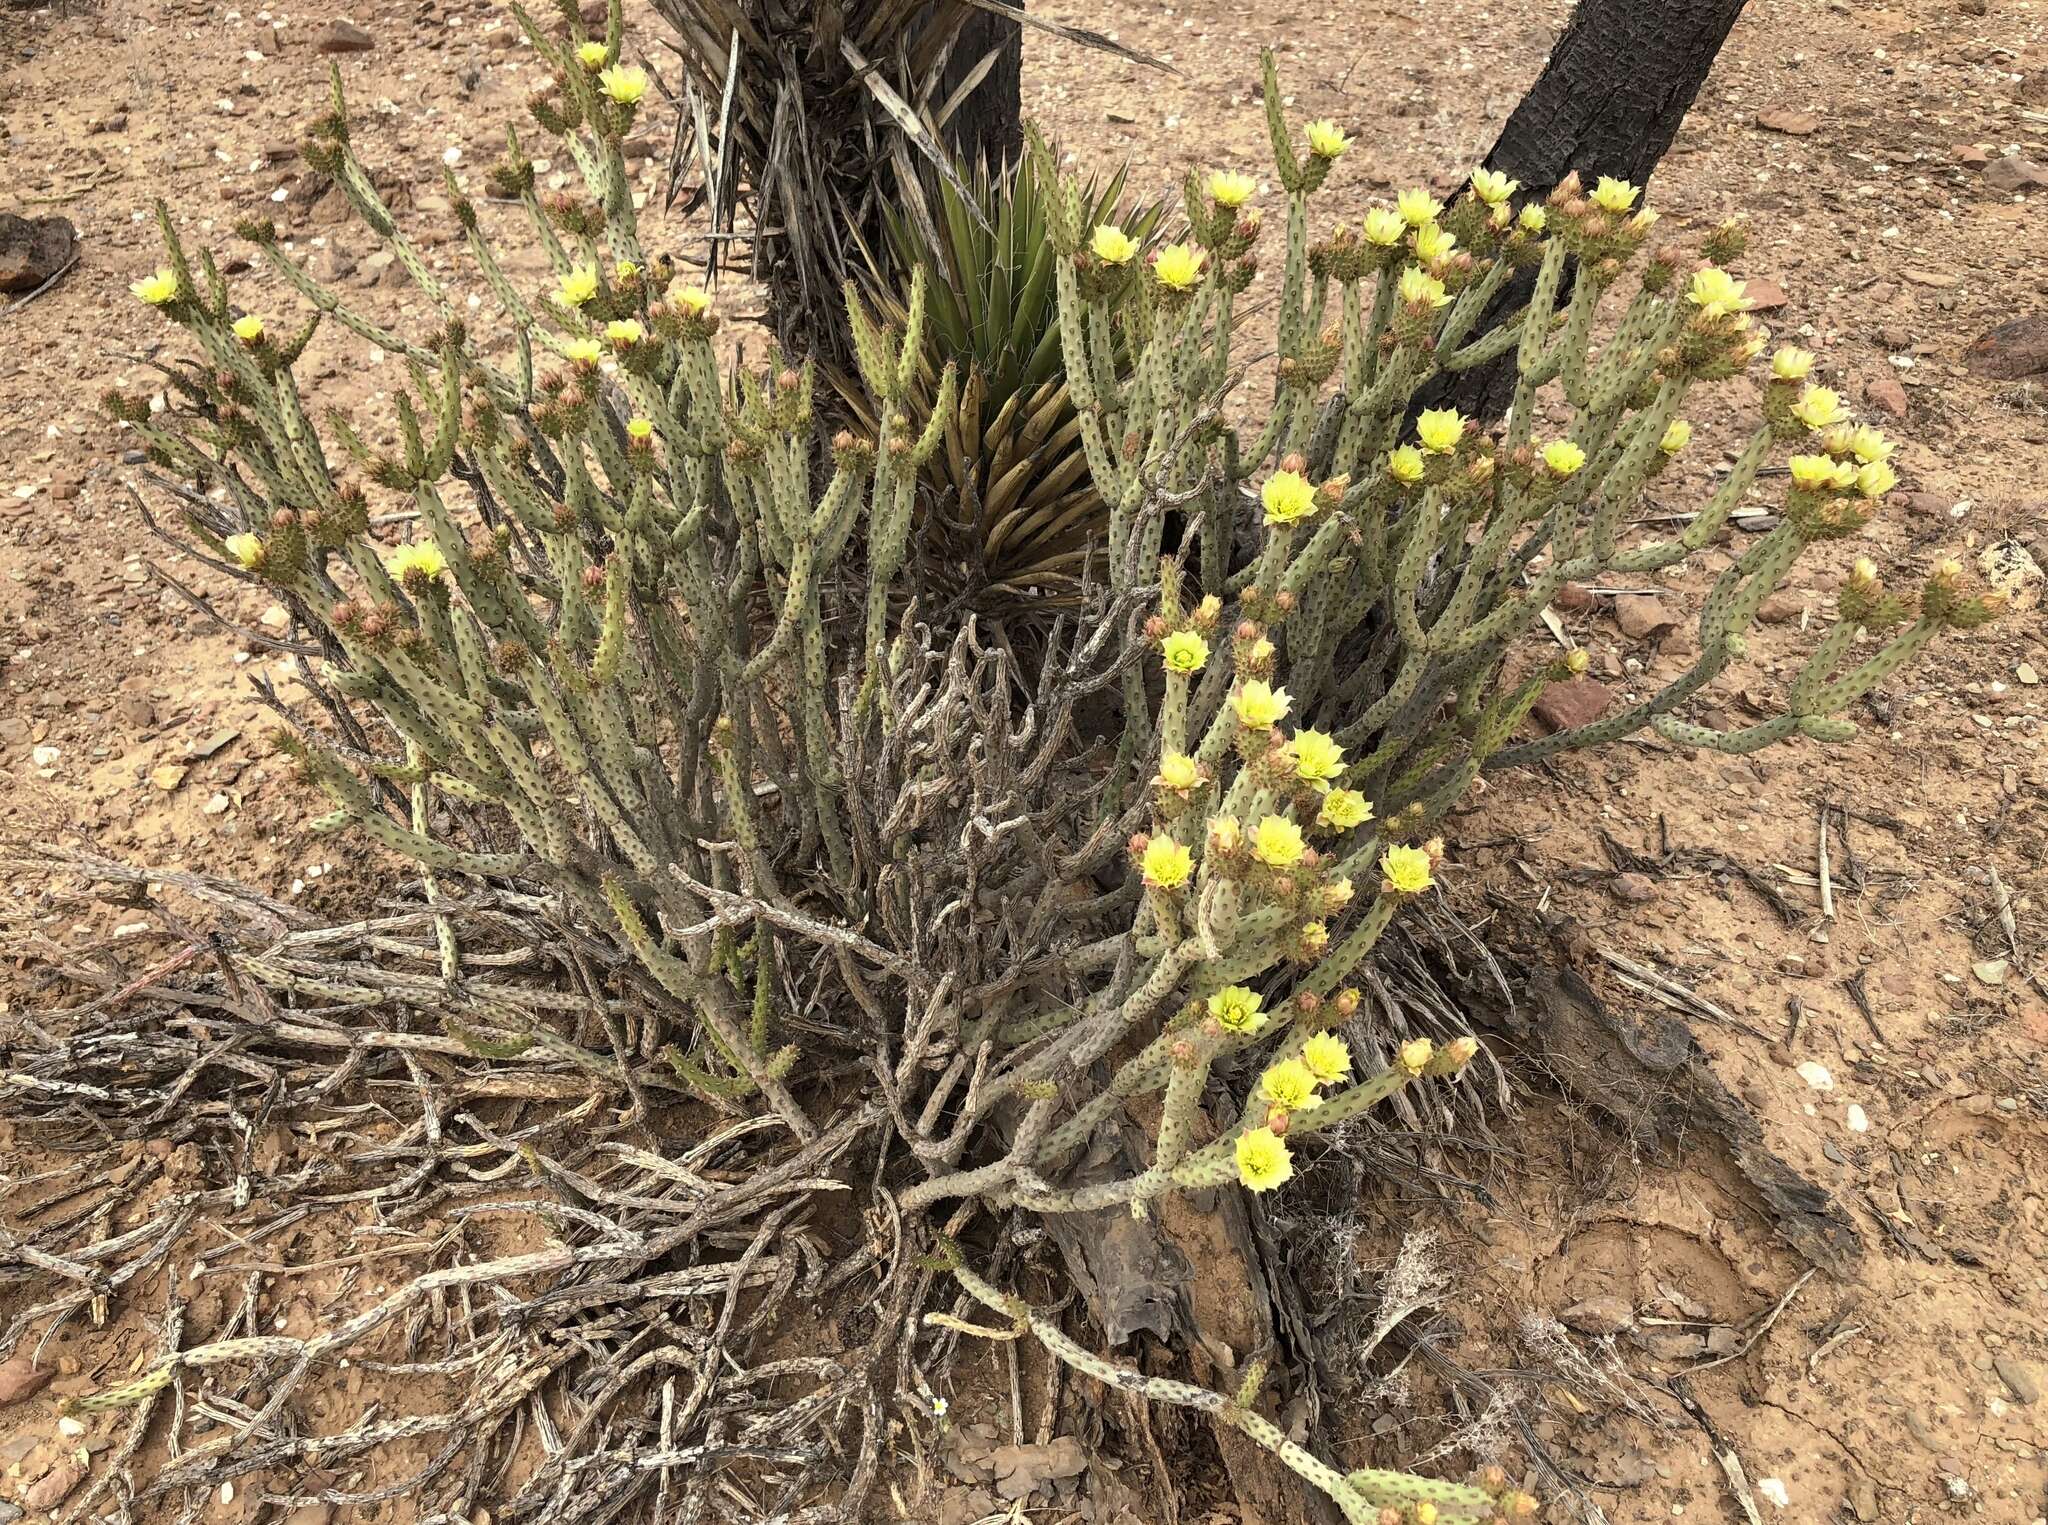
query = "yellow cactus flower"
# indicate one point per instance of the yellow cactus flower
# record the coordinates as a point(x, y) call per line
point(1876, 478)
point(1384, 228)
point(1820, 408)
point(1493, 187)
point(1317, 758)
point(1177, 771)
point(1313, 938)
point(1439, 429)
point(1166, 864)
point(1821, 473)
point(1406, 870)
point(626, 270)
point(419, 556)
point(1644, 220)
point(1344, 809)
point(578, 286)
point(1288, 497)
point(1277, 842)
point(624, 331)
point(1228, 188)
point(1414, 1055)
point(1791, 363)
point(248, 328)
point(640, 428)
point(1404, 465)
point(1563, 456)
point(1236, 1010)
point(1327, 1056)
point(1433, 243)
point(1616, 196)
point(624, 83)
point(1533, 219)
point(1225, 835)
point(157, 289)
point(1112, 245)
point(1263, 1160)
point(691, 301)
point(1869, 444)
point(1677, 435)
point(247, 551)
point(1458, 1053)
point(592, 55)
point(1178, 267)
point(1289, 1085)
point(583, 351)
point(1338, 892)
point(1419, 288)
point(1184, 652)
point(1261, 706)
point(1417, 206)
point(1717, 293)
point(1326, 140)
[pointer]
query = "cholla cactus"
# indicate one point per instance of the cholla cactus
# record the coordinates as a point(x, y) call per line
point(641, 654)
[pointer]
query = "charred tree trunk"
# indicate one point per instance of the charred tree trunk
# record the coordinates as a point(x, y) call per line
point(1609, 101)
point(989, 123)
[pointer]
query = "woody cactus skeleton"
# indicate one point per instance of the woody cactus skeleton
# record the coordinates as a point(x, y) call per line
point(648, 654)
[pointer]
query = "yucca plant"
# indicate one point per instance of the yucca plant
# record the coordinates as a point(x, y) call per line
point(1012, 515)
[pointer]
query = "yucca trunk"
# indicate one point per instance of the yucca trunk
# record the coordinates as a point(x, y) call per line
point(813, 115)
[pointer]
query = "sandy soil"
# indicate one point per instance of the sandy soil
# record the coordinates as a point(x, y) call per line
point(1908, 1390)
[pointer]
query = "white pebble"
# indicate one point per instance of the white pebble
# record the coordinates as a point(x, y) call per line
point(1816, 1075)
point(70, 1428)
point(1773, 1490)
point(1858, 1121)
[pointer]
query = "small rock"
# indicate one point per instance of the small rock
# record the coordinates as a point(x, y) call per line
point(1857, 1119)
point(1642, 616)
point(1781, 609)
point(2013, 173)
point(21, 1378)
point(2011, 350)
point(1633, 889)
point(1863, 1499)
point(1887, 395)
point(1991, 971)
point(343, 37)
point(1815, 1074)
point(54, 1486)
point(218, 805)
point(1775, 1490)
point(1798, 124)
point(167, 776)
point(1562, 706)
point(269, 41)
point(2026, 674)
point(1599, 1315)
point(2026, 1387)
point(1929, 503)
point(32, 249)
point(1763, 293)
point(1940, 280)
point(1671, 1344)
point(1970, 156)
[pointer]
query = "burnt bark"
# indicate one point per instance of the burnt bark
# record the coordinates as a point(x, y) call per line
point(1609, 101)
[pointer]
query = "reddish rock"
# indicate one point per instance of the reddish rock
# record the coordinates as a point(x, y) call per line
point(1763, 293)
point(1562, 706)
point(1642, 616)
point(2011, 350)
point(1780, 609)
point(21, 1378)
point(1798, 124)
point(1887, 396)
point(54, 1486)
point(1632, 888)
point(1970, 156)
point(2014, 173)
point(343, 37)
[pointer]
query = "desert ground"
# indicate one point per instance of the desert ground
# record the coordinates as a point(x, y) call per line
point(1855, 934)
